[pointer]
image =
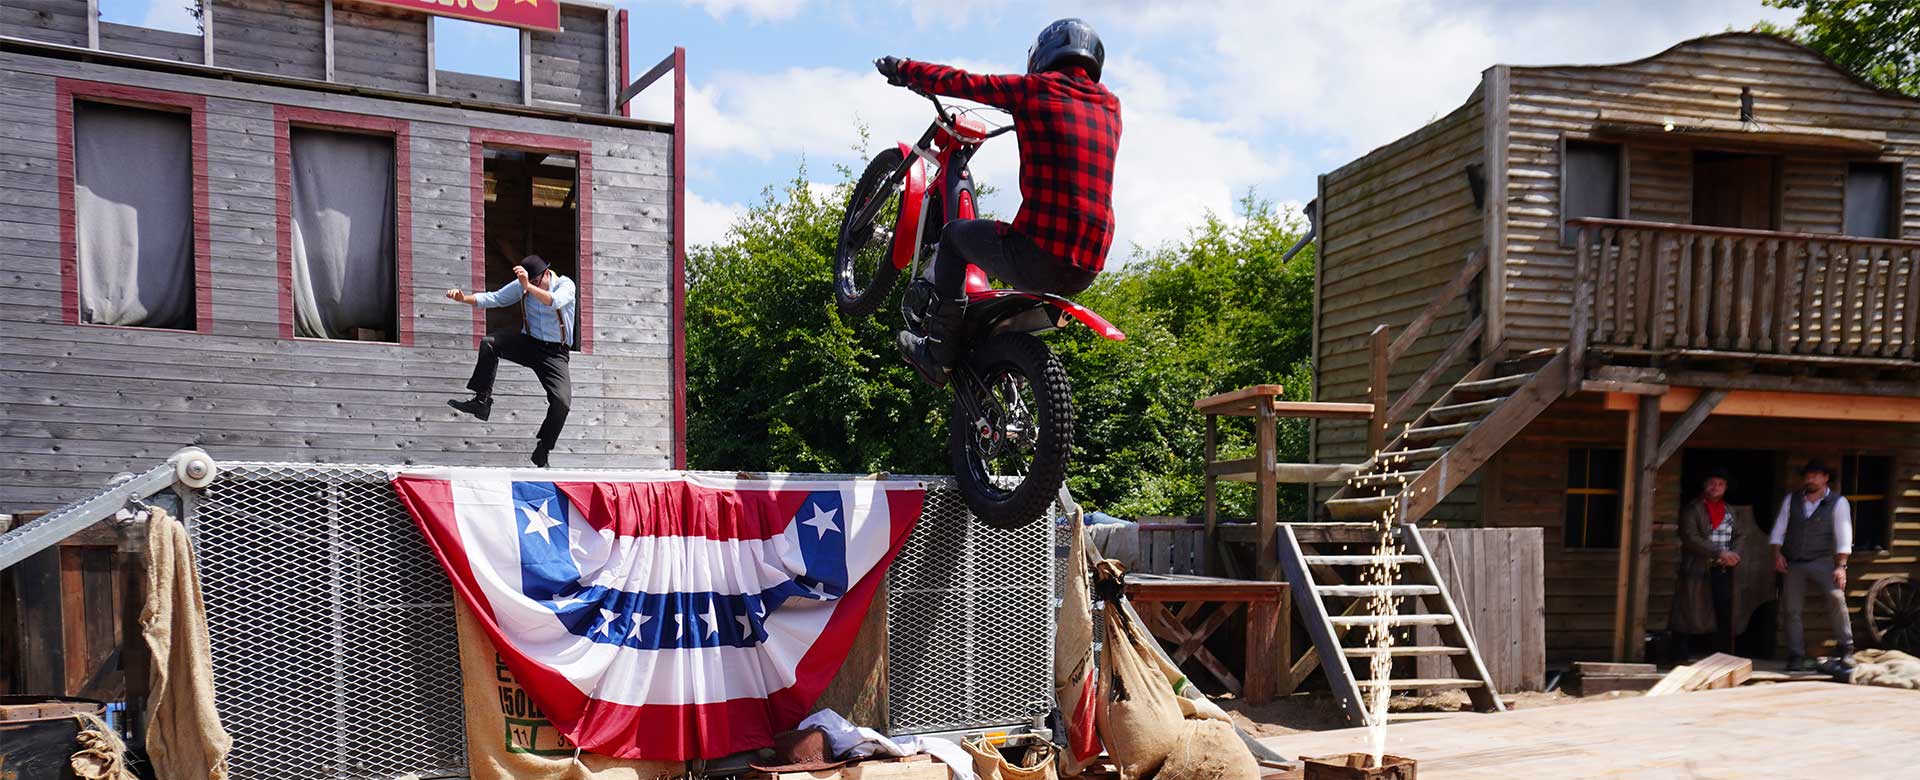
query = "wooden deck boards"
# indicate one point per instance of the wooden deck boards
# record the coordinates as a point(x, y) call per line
point(1776, 732)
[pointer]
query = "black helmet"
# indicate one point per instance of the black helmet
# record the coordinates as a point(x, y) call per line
point(1067, 43)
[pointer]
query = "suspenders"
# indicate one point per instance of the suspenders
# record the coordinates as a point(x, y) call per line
point(558, 319)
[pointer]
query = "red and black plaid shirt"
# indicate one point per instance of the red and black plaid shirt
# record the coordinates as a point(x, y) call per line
point(1069, 130)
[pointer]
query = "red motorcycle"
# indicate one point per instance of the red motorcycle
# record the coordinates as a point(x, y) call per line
point(1012, 408)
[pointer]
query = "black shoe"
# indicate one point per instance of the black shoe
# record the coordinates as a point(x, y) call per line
point(923, 353)
point(1798, 663)
point(478, 407)
point(540, 457)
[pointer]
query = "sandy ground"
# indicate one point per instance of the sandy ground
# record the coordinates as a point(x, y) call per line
point(1318, 711)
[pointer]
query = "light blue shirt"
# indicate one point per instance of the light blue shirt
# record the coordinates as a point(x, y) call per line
point(541, 324)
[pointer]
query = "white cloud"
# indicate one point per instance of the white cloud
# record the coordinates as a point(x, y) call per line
point(171, 15)
point(708, 220)
point(756, 10)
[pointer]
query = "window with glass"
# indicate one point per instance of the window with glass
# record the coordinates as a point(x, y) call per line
point(1595, 478)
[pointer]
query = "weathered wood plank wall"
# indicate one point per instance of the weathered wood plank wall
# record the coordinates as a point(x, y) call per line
point(1697, 80)
point(1395, 226)
point(148, 42)
point(54, 21)
point(79, 403)
point(281, 37)
point(1495, 576)
point(380, 47)
point(570, 67)
point(1527, 488)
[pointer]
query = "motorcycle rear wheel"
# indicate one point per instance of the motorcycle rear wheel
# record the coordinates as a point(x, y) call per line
point(1017, 422)
point(863, 270)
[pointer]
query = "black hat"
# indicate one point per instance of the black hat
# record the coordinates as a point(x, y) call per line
point(1816, 464)
point(535, 265)
point(1718, 472)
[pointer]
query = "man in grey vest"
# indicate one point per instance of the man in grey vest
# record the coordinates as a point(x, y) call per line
point(1812, 537)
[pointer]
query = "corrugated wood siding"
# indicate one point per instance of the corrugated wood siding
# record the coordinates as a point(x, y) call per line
point(468, 86)
point(380, 47)
point(1659, 183)
point(1812, 195)
point(147, 42)
point(1701, 80)
point(1530, 475)
point(79, 403)
point(281, 37)
point(54, 21)
point(1397, 224)
point(570, 67)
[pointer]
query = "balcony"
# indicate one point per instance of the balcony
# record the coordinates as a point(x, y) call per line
point(1659, 289)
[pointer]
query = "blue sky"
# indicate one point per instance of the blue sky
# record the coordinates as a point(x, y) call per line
point(1219, 97)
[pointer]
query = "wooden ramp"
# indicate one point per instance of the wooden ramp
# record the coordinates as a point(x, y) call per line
point(1333, 604)
point(1762, 732)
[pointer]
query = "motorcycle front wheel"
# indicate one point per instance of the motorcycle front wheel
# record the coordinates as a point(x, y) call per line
point(863, 270)
point(1012, 419)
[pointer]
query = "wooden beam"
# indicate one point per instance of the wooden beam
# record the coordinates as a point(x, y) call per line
point(1236, 400)
point(93, 24)
point(646, 79)
point(1458, 349)
point(206, 34)
point(1582, 292)
point(433, 67)
point(1628, 388)
point(1676, 436)
point(1208, 487)
point(1496, 91)
point(326, 15)
point(613, 68)
point(1266, 491)
point(1636, 530)
point(1787, 405)
point(1382, 365)
point(526, 67)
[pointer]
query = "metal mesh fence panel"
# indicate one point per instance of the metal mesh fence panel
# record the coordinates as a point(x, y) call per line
point(335, 653)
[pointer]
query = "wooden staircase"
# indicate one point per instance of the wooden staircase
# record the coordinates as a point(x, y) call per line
point(1334, 609)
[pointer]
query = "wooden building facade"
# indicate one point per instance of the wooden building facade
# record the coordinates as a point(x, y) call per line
point(1575, 294)
point(261, 358)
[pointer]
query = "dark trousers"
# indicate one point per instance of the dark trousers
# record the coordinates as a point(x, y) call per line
point(1005, 254)
point(1720, 583)
point(548, 361)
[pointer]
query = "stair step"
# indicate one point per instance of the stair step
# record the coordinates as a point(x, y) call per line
point(1357, 508)
point(1394, 621)
point(1368, 590)
point(1407, 651)
point(1388, 479)
point(1357, 560)
point(1397, 458)
point(1411, 684)
point(1494, 386)
point(1472, 410)
point(1437, 432)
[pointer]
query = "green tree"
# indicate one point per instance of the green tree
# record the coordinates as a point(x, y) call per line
point(1877, 39)
point(777, 381)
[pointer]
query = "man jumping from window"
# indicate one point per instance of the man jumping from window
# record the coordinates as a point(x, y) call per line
point(547, 307)
point(1069, 131)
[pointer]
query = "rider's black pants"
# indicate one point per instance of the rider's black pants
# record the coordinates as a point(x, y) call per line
point(1003, 253)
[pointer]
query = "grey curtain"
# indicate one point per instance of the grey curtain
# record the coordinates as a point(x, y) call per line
point(133, 216)
point(343, 234)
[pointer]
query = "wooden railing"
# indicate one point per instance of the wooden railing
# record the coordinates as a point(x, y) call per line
point(1658, 287)
point(1385, 353)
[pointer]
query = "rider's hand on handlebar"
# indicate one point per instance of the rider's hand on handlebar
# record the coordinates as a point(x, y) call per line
point(890, 67)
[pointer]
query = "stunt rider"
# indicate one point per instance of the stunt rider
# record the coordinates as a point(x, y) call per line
point(1069, 131)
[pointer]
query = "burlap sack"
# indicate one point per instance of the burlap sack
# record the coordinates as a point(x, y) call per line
point(184, 738)
point(1138, 715)
point(988, 764)
point(1074, 688)
point(1209, 750)
point(508, 738)
point(1886, 668)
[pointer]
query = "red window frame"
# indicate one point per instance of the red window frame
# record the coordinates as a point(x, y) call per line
point(478, 139)
point(66, 93)
point(284, 119)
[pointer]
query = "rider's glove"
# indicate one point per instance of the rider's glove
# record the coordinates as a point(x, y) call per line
point(890, 67)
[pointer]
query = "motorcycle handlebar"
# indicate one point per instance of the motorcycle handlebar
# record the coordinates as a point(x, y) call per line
point(946, 117)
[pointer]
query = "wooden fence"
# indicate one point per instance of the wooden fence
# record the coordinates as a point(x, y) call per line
point(1498, 582)
point(1666, 287)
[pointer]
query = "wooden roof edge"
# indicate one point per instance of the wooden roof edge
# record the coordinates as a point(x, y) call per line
point(1731, 34)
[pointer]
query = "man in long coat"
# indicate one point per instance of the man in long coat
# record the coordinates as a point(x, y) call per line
point(1707, 597)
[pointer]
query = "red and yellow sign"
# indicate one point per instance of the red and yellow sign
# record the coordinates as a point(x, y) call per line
point(532, 14)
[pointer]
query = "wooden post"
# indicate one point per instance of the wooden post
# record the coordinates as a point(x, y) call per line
point(326, 16)
point(1262, 619)
point(1377, 391)
point(1577, 329)
point(433, 78)
point(1208, 486)
point(1266, 490)
point(1636, 529)
point(526, 67)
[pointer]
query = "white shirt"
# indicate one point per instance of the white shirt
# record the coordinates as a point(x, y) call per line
point(1842, 519)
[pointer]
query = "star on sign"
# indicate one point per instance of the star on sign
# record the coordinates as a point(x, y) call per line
point(746, 625)
point(822, 521)
point(538, 521)
point(709, 621)
point(639, 619)
point(606, 621)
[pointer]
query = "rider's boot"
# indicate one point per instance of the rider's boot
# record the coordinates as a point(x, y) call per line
point(933, 355)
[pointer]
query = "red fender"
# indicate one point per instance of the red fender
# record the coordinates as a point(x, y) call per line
point(913, 200)
point(1085, 315)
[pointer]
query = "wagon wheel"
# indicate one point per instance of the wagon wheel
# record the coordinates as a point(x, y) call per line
point(1893, 614)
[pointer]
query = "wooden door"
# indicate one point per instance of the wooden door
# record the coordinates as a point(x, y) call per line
point(1734, 190)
